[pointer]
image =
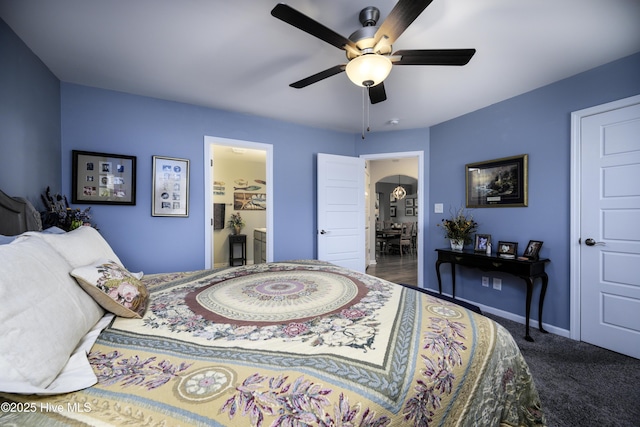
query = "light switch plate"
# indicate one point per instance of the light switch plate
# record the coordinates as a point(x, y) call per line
point(497, 284)
point(438, 208)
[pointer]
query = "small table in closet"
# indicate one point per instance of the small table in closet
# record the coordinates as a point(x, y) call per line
point(237, 249)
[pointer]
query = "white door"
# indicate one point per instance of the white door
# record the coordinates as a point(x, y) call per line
point(610, 229)
point(340, 211)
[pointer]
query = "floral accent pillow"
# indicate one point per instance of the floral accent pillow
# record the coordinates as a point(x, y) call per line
point(113, 287)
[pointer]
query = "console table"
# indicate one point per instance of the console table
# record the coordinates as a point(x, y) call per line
point(528, 270)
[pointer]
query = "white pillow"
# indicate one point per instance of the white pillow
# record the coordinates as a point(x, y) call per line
point(79, 247)
point(43, 313)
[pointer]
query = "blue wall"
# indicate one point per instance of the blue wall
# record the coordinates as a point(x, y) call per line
point(29, 121)
point(41, 121)
point(537, 123)
point(112, 122)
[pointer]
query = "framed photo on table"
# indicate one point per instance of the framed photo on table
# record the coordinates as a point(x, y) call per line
point(101, 178)
point(532, 251)
point(507, 249)
point(482, 242)
point(498, 183)
point(170, 187)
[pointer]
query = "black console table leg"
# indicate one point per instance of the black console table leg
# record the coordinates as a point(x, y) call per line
point(529, 282)
point(438, 274)
point(453, 280)
point(543, 291)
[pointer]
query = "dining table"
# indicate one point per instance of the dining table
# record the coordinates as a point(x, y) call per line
point(387, 234)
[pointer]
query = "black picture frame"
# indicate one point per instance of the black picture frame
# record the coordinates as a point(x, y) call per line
point(498, 183)
point(507, 249)
point(481, 242)
point(532, 251)
point(102, 178)
point(392, 211)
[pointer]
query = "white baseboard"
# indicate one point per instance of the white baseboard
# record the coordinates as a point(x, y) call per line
point(517, 318)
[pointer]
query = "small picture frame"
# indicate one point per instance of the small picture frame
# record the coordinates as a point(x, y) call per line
point(392, 211)
point(507, 249)
point(170, 187)
point(408, 212)
point(532, 251)
point(408, 203)
point(482, 242)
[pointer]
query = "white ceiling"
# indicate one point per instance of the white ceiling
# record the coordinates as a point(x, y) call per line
point(235, 56)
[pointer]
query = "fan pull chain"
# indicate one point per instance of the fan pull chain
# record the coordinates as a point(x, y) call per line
point(363, 111)
point(368, 109)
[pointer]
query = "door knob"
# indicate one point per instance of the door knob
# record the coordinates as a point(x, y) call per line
point(591, 242)
point(323, 232)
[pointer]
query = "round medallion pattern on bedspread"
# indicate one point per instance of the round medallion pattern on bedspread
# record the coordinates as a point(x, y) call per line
point(205, 384)
point(276, 297)
point(445, 310)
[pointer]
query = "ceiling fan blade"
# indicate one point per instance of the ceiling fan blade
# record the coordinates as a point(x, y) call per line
point(377, 93)
point(337, 69)
point(401, 16)
point(301, 21)
point(434, 57)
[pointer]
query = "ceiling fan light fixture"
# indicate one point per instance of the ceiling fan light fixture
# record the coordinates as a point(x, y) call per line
point(368, 69)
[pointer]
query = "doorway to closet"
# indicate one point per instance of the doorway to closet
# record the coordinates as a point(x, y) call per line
point(238, 180)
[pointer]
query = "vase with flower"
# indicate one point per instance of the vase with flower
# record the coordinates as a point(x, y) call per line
point(236, 223)
point(59, 214)
point(459, 228)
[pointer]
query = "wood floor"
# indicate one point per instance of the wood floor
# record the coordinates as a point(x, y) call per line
point(396, 269)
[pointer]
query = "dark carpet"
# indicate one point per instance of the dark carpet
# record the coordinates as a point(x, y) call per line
point(580, 384)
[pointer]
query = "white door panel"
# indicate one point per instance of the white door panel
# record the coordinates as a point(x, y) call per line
point(610, 219)
point(341, 226)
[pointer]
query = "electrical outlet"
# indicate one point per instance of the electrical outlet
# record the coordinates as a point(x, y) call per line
point(497, 284)
point(485, 281)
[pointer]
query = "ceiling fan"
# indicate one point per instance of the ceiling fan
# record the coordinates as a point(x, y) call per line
point(369, 48)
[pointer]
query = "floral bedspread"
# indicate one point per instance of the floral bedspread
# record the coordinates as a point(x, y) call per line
point(300, 343)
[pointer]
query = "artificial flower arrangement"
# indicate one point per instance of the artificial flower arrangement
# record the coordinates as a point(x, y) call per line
point(59, 214)
point(460, 227)
point(235, 222)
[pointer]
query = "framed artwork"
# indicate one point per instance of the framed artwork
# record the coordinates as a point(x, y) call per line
point(408, 203)
point(482, 242)
point(532, 251)
point(408, 212)
point(507, 249)
point(101, 178)
point(497, 183)
point(170, 187)
point(249, 201)
point(392, 211)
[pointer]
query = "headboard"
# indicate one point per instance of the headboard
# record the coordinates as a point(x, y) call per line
point(17, 215)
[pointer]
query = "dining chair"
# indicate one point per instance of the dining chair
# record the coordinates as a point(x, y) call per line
point(405, 237)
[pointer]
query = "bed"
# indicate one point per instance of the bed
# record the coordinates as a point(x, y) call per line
point(291, 343)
